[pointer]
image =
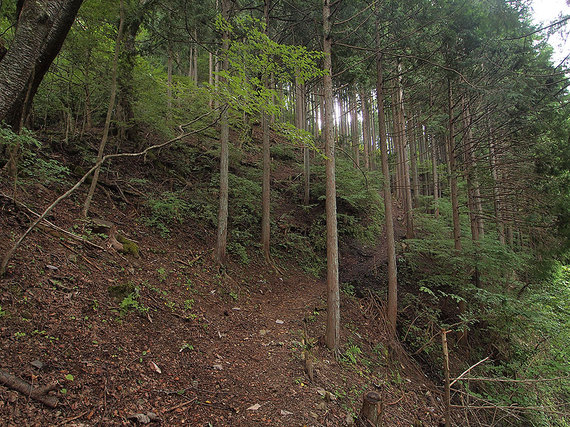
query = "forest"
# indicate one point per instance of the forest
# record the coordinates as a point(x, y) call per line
point(284, 212)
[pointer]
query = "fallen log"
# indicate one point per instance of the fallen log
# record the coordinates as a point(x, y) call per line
point(39, 393)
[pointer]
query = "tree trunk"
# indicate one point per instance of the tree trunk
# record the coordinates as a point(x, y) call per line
point(222, 235)
point(435, 177)
point(354, 128)
point(495, 176)
point(301, 123)
point(195, 58)
point(405, 170)
point(266, 185)
point(365, 129)
point(110, 109)
point(392, 306)
point(41, 30)
point(414, 166)
point(451, 150)
point(169, 84)
point(332, 335)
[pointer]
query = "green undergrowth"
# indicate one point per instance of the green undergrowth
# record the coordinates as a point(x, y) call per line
point(497, 283)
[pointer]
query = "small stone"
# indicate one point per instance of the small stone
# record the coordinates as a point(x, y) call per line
point(218, 367)
point(279, 321)
point(140, 418)
point(285, 413)
point(254, 407)
point(52, 267)
point(37, 364)
point(152, 416)
point(236, 308)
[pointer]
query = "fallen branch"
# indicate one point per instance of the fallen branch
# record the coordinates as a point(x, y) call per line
point(508, 380)
point(50, 224)
point(65, 195)
point(39, 394)
point(468, 370)
point(181, 405)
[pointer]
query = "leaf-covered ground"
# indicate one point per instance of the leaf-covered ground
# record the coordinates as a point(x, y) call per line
point(169, 334)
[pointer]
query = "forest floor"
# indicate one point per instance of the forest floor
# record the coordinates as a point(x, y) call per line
point(118, 336)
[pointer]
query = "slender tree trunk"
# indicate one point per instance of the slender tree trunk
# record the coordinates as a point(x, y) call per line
point(373, 137)
point(110, 108)
point(332, 335)
point(195, 59)
point(354, 128)
point(414, 166)
point(405, 170)
point(497, 205)
point(222, 235)
point(473, 192)
point(266, 186)
point(365, 130)
point(210, 75)
point(435, 176)
point(169, 85)
point(392, 306)
point(451, 150)
point(301, 123)
point(399, 178)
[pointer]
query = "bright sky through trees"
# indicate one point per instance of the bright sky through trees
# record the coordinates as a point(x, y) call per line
point(546, 11)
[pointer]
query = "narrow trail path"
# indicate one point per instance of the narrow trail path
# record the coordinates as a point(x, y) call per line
point(258, 355)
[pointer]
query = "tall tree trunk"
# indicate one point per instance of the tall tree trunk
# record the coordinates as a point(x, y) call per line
point(266, 186)
point(396, 136)
point(210, 75)
point(392, 305)
point(497, 205)
point(354, 128)
point(365, 129)
point(435, 177)
point(414, 166)
point(473, 192)
point(169, 84)
point(195, 58)
point(222, 235)
point(452, 154)
point(110, 109)
point(332, 335)
point(405, 173)
point(301, 123)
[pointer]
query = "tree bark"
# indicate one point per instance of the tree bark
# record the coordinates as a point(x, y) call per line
point(435, 177)
point(332, 335)
point(42, 28)
point(222, 235)
point(110, 109)
point(266, 184)
point(365, 130)
point(354, 128)
point(451, 150)
point(414, 166)
point(405, 170)
point(392, 305)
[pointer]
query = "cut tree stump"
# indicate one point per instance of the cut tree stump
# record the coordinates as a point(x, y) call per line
point(371, 412)
point(36, 393)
